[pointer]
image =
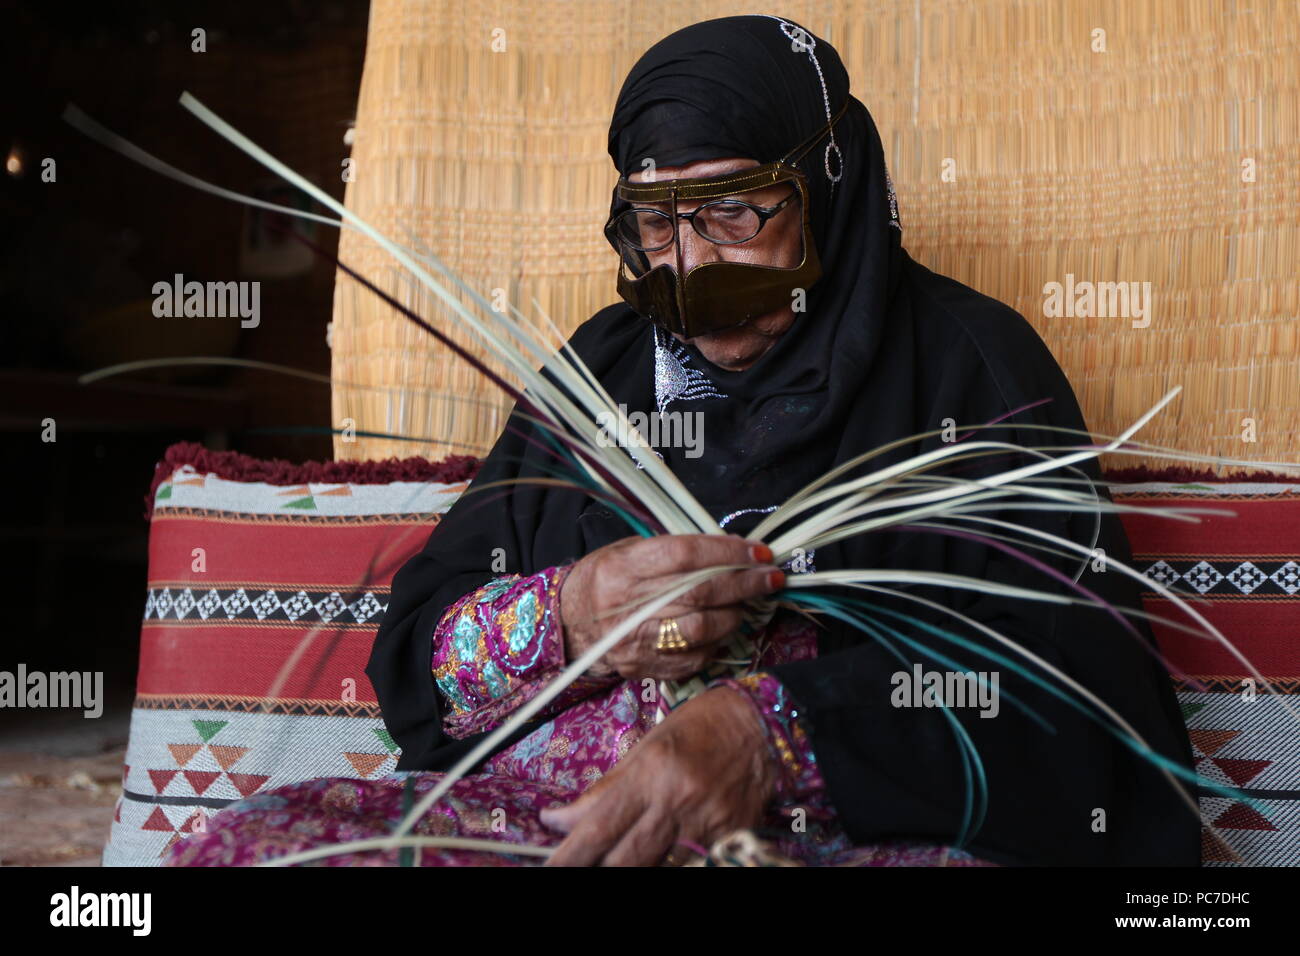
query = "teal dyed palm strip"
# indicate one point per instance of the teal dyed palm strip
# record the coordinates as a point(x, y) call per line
point(866, 607)
point(970, 753)
point(1156, 759)
point(971, 763)
point(578, 480)
point(581, 479)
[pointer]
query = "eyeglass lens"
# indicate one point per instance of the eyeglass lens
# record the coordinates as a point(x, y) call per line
point(725, 221)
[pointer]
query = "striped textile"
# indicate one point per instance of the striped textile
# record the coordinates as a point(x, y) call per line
point(1245, 571)
point(261, 606)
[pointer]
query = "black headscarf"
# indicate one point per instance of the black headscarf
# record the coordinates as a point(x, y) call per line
point(885, 350)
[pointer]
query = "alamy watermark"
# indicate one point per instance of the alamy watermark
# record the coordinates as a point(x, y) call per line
point(659, 429)
point(208, 300)
point(918, 688)
point(75, 908)
point(24, 688)
point(1088, 299)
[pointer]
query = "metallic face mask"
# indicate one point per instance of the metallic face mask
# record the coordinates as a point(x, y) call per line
point(713, 295)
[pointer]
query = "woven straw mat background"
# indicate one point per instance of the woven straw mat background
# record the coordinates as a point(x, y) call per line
point(1135, 141)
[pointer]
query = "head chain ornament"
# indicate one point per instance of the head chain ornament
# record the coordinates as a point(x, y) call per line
point(801, 41)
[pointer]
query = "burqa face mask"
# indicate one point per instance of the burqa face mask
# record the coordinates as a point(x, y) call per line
point(720, 294)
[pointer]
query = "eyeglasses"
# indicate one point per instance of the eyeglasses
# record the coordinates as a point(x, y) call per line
point(727, 222)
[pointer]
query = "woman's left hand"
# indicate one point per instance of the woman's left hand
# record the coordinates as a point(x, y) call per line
point(701, 774)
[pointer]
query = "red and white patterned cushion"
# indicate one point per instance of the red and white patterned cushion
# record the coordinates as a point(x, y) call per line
point(262, 603)
point(1246, 568)
point(267, 582)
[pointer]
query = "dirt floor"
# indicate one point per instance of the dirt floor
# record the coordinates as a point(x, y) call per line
point(60, 777)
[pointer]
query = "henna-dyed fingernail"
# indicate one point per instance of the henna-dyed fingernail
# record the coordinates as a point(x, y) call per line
point(760, 553)
point(775, 580)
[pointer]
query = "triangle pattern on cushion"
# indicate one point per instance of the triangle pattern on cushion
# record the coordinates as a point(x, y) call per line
point(200, 780)
point(1190, 708)
point(177, 815)
point(366, 764)
point(184, 753)
point(1216, 849)
point(227, 756)
point(161, 778)
point(1241, 817)
point(157, 821)
point(208, 728)
point(1241, 772)
point(247, 783)
point(1210, 742)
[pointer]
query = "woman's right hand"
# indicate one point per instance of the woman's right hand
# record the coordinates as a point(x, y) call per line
point(633, 569)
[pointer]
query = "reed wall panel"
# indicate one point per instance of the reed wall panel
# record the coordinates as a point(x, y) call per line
point(1122, 165)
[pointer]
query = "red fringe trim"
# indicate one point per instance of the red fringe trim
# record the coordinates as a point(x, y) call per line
point(234, 466)
point(1179, 474)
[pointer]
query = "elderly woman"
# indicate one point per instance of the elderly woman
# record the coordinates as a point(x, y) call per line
point(767, 293)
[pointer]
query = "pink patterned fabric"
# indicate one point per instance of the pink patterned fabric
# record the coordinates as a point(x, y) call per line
point(498, 647)
point(798, 777)
point(494, 650)
point(331, 810)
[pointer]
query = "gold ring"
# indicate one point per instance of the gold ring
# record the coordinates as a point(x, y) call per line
point(670, 637)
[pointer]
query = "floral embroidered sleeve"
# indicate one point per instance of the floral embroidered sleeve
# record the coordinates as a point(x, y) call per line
point(798, 777)
point(497, 647)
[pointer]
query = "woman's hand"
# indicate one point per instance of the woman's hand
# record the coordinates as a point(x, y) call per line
point(635, 568)
point(701, 774)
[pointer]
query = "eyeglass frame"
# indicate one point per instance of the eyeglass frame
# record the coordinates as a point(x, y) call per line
point(764, 213)
point(662, 293)
point(784, 169)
